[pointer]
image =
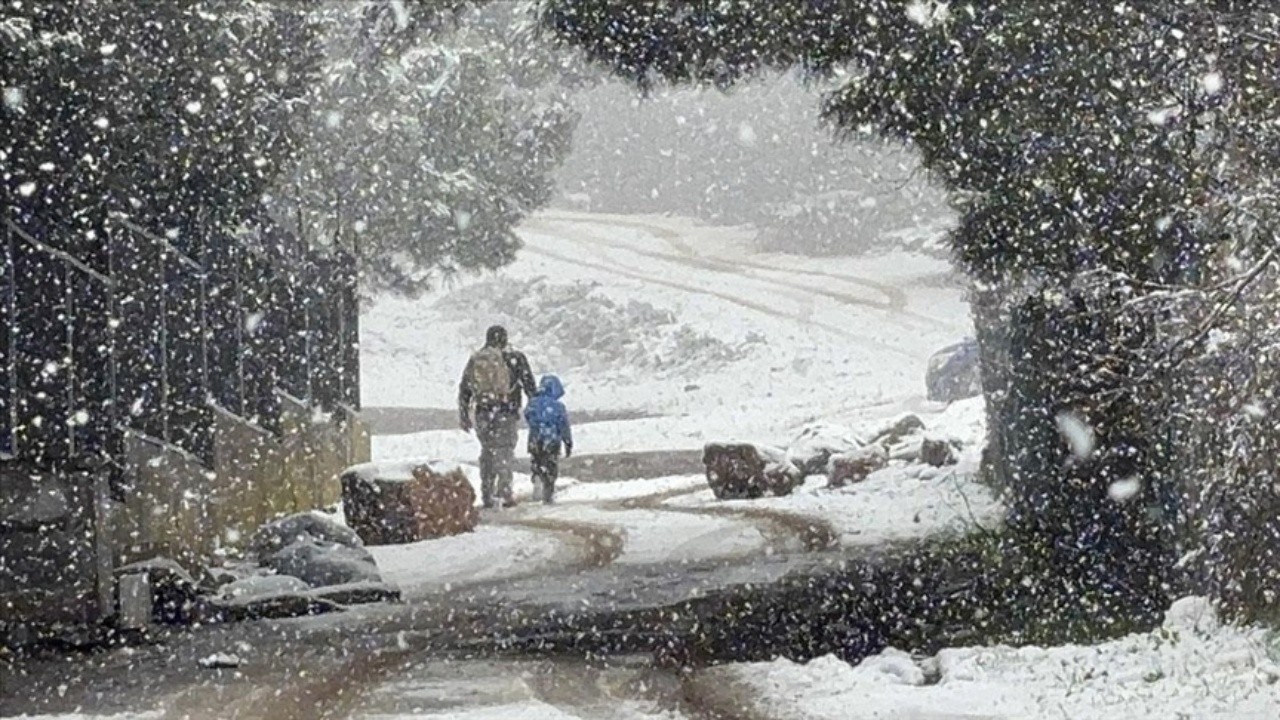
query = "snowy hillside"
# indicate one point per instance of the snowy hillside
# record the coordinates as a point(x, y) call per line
point(667, 317)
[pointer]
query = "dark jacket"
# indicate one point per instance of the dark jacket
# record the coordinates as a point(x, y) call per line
point(547, 418)
point(522, 382)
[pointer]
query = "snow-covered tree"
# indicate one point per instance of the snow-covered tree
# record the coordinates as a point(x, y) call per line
point(1100, 149)
point(168, 111)
point(425, 146)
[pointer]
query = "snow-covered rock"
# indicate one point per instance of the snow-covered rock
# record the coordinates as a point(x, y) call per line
point(815, 445)
point(397, 503)
point(278, 534)
point(897, 430)
point(747, 471)
point(854, 467)
point(321, 564)
point(260, 586)
point(938, 452)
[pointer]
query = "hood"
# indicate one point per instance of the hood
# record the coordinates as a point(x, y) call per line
point(551, 387)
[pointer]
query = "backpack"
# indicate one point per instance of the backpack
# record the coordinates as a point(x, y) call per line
point(490, 376)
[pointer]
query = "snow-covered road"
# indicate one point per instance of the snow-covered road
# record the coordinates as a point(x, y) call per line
point(672, 334)
point(687, 335)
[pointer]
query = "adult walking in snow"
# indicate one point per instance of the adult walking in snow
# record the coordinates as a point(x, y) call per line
point(492, 391)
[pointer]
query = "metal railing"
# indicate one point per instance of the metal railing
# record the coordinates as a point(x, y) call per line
point(142, 331)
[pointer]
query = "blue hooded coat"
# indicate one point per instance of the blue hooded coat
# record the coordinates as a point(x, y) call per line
point(547, 418)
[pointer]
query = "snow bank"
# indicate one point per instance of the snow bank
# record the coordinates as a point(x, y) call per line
point(1192, 667)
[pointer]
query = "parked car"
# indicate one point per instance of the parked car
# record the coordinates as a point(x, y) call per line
point(954, 372)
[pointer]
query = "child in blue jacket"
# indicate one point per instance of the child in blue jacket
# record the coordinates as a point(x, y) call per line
point(548, 431)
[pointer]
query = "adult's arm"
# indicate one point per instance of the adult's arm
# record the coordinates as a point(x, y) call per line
point(524, 376)
point(466, 393)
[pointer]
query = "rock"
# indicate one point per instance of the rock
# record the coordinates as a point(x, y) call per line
point(320, 564)
point(898, 430)
point(175, 594)
point(444, 503)
point(907, 451)
point(738, 471)
point(262, 586)
point(852, 468)
point(277, 534)
point(735, 471)
point(357, 593)
point(937, 452)
point(814, 447)
point(781, 475)
point(433, 500)
point(954, 372)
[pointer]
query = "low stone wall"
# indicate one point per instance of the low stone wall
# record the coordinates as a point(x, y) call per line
point(179, 508)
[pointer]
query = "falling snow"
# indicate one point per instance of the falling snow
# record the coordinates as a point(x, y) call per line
point(911, 359)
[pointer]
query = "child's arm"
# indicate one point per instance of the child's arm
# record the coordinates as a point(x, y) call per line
point(566, 432)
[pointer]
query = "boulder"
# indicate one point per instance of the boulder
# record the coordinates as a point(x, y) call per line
point(954, 373)
point(938, 452)
point(814, 447)
point(444, 503)
point(737, 471)
point(781, 475)
point(278, 534)
point(852, 468)
point(432, 500)
point(320, 564)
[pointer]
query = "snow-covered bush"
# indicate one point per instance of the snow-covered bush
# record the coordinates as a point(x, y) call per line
point(573, 325)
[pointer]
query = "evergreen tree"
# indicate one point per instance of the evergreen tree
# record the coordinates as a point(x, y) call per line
point(166, 111)
point(425, 144)
point(1098, 147)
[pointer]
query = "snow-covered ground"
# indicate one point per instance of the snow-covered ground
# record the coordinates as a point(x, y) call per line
point(702, 338)
point(517, 690)
point(678, 320)
point(491, 552)
point(903, 501)
point(1190, 668)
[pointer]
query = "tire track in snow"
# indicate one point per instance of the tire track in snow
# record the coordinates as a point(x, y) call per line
point(599, 545)
point(896, 296)
point(741, 268)
point(727, 297)
point(782, 530)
